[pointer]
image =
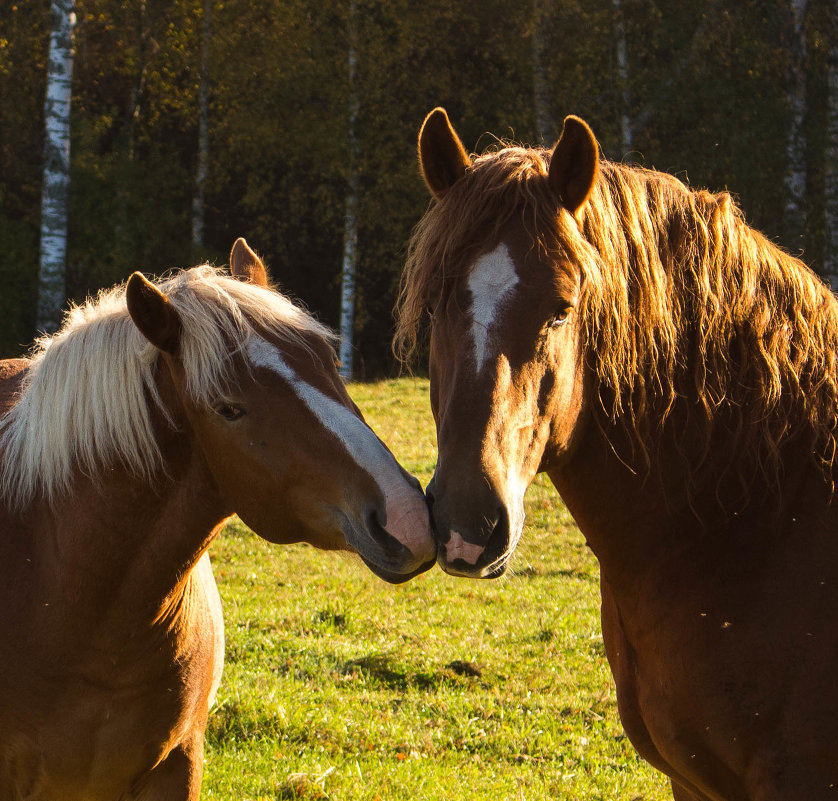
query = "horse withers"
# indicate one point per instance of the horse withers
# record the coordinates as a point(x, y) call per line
point(155, 413)
point(676, 376)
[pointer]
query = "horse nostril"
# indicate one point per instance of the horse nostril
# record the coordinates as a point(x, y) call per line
point(501, 527)
point(380, 534)
point(429, 501)
point(373, 523)
point(497, 537)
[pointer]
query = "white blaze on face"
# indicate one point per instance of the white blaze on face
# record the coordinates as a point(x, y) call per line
point(404, 502)
point(491, 279)
point(504, 456)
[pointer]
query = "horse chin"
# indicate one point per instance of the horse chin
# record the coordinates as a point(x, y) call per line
point(385, 555)
point(392, 577)
point(463, 569)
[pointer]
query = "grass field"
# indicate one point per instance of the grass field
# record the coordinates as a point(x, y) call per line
point(339, 686)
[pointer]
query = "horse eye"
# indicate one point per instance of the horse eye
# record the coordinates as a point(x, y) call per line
point(560, 319)
point(229, 412)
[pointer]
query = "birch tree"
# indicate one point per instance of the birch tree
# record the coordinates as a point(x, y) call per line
point(795, 179)
point(545, 125)
point(626, 133)
point(831, 166)
point(350, 228)
point(56, 180)
point(203, 133)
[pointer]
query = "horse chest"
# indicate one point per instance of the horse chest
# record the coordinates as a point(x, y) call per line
point(91, 742)
point(92, 731)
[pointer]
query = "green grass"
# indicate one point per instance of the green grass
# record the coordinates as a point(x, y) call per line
point(339, 686)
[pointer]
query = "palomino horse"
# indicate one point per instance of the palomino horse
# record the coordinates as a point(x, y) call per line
point(155, 413)
point(674, 373)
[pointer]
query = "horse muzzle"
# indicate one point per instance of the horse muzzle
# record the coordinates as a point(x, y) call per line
point(471, 542)
point(395, 541)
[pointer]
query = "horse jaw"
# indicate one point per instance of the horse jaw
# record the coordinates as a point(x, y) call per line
point(393, 538)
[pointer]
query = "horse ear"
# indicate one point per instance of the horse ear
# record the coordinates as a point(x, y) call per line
point(153, 313)
point(574, 164)
point(246, 265)
point(442, 157)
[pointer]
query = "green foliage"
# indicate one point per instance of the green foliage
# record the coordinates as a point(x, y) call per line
point(339, 686)
point(18, 293)
point(708, 86)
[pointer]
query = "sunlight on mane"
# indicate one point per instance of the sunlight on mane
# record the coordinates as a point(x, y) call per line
point(681, 299)
point(88, 391)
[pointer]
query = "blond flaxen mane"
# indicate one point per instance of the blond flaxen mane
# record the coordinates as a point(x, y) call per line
point(86, 401)
point(681, 299)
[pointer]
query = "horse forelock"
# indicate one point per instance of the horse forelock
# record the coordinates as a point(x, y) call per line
point(90, 389)
point(681, 299)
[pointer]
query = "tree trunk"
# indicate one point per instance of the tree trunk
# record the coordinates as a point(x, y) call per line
point(831, 167)
point(350, 229)
point(56, 181)
point(144, 44)
point(794, 216)
point(203, 136)
point(544, 123)
point(626, 133)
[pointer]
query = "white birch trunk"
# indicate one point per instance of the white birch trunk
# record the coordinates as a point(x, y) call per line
point(138, 86)
point(544, 123)
point(626, 133)
point(56, 181)
point(831, 167)
point(794, 215)
point(350, 229)
point(203, 133)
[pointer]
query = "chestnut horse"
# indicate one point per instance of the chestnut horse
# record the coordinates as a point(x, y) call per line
point(674, 374)
point(155, 413)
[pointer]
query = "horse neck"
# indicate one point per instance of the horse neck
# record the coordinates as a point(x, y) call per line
point(606, 498)
point(644, 519)
point(120, 550)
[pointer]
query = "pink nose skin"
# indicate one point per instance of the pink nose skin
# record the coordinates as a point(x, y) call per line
point(408, 521)
point(458, 548)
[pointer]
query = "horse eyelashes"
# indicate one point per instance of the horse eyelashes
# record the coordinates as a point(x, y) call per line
point(229, 412)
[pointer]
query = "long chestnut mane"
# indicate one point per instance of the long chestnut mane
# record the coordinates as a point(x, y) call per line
point(683, 304)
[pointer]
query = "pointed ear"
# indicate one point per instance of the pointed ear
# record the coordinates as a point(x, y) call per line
point(442, 157)
point(246, 265)
point(153, 314)
point(574, 164)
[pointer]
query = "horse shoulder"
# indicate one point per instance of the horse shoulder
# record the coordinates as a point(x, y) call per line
point(621, 659)
point(138, 719)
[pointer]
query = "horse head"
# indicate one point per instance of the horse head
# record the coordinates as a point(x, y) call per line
point(288, 450)
point(504, 294)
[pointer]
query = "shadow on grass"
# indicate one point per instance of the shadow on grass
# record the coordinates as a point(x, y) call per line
point(574, 573)
point(248, 719)
point(379, 670)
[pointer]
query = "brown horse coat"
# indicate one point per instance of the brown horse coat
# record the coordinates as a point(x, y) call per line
point(154, 414)
point(676, 376)
point(105, 694)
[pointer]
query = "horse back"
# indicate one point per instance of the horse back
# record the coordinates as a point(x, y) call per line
point(12, 372)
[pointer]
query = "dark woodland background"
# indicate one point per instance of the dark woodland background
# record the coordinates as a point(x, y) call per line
point(705, 89)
